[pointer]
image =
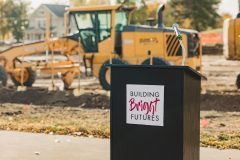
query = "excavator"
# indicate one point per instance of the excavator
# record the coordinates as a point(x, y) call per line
point(104, 35)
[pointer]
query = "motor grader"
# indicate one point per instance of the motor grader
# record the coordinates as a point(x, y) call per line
point(104, 36)
point(23, 72)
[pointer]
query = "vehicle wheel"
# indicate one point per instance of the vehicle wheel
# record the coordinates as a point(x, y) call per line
point(156, 61)
point(3, 76)
point(238, 81)
point(104, 73)
point(29, 77)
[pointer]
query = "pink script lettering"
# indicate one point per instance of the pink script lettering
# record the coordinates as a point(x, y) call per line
point(149, 107)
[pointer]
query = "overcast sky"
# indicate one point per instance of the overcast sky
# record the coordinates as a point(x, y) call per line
point(227, 6)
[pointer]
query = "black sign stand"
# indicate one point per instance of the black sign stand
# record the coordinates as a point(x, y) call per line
point(178, 137)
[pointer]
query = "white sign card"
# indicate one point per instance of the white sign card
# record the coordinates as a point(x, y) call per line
point(145, 104)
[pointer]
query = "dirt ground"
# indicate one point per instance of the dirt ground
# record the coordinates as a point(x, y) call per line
point(219, 101)
point(221, 74)
point(218, 92)
point(40, 96)
point(55, 120)
point(218, 129)
point(38, 110)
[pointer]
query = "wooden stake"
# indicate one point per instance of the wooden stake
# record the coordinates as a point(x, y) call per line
point(52, 87)
point(150, 57)
point(76, 92)
point(52, 67)
point(22, 87)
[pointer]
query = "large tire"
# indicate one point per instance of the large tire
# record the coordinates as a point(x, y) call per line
point(103, 72)
point(3, 76)
point(238, 81)
point(31, 77)
point(156, 61)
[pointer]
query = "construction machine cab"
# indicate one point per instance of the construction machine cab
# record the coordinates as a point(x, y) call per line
point(99, 23)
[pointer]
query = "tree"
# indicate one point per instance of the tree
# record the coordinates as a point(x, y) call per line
point(168, 19)
point(4, 25)
point(152, 9)
point(141, 14)
point(16, 13)
point(13, 16)
point(198, 14)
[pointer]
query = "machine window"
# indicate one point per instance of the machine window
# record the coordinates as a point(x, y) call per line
point(104, 19)
point(121, 20)
point(93, 27)
point(85, 20)
point(193, 45)
point(87, 25)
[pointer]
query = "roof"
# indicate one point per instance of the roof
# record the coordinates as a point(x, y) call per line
point(94, 8)
point(57, 9)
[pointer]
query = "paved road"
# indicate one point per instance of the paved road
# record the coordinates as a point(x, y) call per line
point(27, 146)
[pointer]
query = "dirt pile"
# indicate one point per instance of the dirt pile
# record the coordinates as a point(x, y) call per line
point(221, 102)
point(213, 50)
point(39, 96)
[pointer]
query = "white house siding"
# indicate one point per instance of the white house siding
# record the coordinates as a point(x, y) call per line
point(37, 24)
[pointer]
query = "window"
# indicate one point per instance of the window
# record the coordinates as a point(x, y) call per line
point(41, 23)
point(104, 19)
point(85, 20)
point(93, 28)
point(88, 31)
point(72, 25)
point(121, 21)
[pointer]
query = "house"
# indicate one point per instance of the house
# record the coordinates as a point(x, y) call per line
point(37, 22)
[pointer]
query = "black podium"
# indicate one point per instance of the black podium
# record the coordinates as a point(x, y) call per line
point(155, 113)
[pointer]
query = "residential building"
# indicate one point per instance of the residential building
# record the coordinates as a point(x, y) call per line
point(38, 20)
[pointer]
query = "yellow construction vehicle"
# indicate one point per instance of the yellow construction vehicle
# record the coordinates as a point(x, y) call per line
point(107, 37)
point(231, 36)
point(106, 33)
point(12, 63)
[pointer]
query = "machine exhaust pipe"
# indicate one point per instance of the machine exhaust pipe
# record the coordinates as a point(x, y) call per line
point(160, 15)
point(238, 5)
point(238, 15)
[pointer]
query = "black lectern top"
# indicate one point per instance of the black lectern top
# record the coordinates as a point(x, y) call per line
point(186, 68)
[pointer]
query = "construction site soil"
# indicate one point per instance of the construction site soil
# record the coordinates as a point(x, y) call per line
point(218, 92)
point(39, 111)
point(38, 96)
